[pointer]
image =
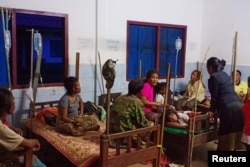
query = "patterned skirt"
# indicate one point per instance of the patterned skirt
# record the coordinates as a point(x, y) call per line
point(86, 123)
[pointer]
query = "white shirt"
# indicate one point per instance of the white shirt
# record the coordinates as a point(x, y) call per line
point(9, 140)
point(159, 98)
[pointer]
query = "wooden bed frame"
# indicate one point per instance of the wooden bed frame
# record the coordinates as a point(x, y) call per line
point(174, 142)
point(121, 157)
point(150, 151)
point(27, 153)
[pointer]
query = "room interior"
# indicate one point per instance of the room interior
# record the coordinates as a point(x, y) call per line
point(99, 30)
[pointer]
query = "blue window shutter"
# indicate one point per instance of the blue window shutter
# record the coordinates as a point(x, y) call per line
point(168, 51)
point(148, 48)
point(3, 63)
point(165, 49)
point(133, 57)
point(142, 47)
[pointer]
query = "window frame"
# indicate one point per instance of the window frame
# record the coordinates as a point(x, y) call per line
point(158, 26)
point(13, 50)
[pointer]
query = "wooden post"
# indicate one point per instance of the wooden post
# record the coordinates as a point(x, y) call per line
point(77, 65)
point(108, 111)
point(164, 112)
point(28, 158)
point(100, 65)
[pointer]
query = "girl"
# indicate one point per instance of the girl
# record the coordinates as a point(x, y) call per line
point(195, 92)
point(176, 120)
point(160, 91)
point(147, 96)
point(179, 119)
point(227, 103)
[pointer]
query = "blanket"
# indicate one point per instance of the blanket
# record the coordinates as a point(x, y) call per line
point(81, 151)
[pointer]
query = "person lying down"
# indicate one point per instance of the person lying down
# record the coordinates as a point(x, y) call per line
point(179, 119)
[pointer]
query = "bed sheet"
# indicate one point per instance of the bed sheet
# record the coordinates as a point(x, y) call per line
point(80, 150)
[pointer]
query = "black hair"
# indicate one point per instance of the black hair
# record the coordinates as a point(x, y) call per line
point(198, 73)
point(135, 86)
point(150, 73)
point(239, 72)
point(170, 112)
point(216, 64)
point(160, 86)
point(69, 83)
point(6, 100)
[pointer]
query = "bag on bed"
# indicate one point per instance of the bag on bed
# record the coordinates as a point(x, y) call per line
point(92, 108)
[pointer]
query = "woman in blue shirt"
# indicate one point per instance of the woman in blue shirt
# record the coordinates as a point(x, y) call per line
point(227, 104)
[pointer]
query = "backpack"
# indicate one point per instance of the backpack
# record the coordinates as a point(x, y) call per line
point(92, 108)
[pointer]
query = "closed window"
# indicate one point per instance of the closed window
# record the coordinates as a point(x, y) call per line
point(53, 28)
point(151, 45)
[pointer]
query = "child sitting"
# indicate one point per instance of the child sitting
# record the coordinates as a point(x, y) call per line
point(160, 90)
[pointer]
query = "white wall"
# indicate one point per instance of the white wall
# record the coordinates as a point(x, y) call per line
point(109, 28)
point(159, 11)
point(221, 19)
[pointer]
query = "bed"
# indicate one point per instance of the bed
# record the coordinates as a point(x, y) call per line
point(10, 158)
point(178, 142)
point(92, 149)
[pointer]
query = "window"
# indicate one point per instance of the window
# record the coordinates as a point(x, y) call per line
point(152, 45)
point(53, 28)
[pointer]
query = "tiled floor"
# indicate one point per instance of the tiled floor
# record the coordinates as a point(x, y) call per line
point(199, 155)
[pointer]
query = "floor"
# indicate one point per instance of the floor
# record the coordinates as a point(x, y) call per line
point(199, 156)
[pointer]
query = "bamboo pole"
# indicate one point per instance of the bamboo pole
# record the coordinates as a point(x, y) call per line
point(77, 65)
point(234, 57)
point(164, 111)
point(100, 65)
point(191, 131)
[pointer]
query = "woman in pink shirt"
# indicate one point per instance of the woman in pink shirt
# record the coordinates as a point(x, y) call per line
point(147, 96)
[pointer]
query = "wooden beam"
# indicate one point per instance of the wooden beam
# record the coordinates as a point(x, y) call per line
point(77, 65)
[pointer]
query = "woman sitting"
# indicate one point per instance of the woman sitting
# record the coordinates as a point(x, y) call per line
point(127, 112)
point(70, 118)
point(195, 92)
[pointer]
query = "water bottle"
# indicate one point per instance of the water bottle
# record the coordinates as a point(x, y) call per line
point(37, 42)
point(7, 39)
